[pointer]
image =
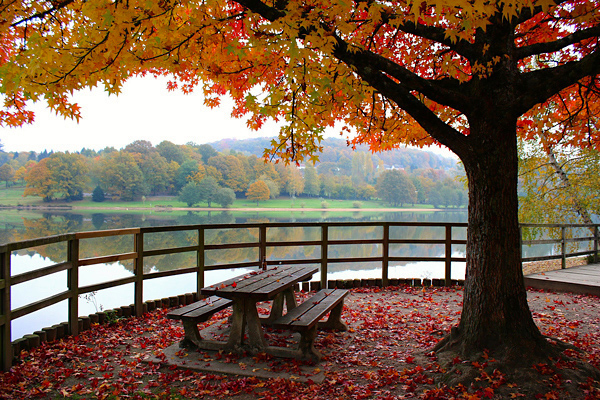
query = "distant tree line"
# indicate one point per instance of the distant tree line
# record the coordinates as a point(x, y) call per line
point(199, 174)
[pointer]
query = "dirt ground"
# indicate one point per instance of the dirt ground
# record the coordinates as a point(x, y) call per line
point(385, 354)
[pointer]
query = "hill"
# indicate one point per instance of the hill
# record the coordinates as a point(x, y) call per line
point(335, 149)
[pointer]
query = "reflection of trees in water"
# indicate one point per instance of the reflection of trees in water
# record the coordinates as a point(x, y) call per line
point(98, 221)
point(52, 224)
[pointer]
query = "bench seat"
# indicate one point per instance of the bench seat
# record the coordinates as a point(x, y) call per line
point(195, 313)
point(306, 316)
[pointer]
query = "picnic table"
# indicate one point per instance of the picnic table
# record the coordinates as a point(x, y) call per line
point(244, 292)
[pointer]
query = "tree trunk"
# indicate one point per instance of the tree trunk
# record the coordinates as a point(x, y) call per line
point(495, 315)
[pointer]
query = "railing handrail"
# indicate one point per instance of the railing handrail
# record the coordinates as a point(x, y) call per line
point(71, 265)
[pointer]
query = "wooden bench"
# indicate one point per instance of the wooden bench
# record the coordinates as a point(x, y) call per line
point(306, 316)
point(195, 313)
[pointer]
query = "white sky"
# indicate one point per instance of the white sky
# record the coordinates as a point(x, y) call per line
point(145, 110)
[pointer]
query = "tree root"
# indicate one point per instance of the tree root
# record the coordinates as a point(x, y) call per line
point(547, 365)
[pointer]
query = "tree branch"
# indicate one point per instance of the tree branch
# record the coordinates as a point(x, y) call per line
point(257, 6)
point(534, 87)
point(438, 35)
point(400, 93)
point(550, 47)
point(444, 91)
point(42, 14)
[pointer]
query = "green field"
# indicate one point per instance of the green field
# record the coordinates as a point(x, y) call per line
point(13, 196)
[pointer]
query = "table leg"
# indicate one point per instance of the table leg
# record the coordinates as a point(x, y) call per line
point(236, 332)
point(290, 299)
point(277, 307)
point(256, 336)
point(245, 315)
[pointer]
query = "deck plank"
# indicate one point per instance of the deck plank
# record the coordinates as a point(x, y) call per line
point(582, 280)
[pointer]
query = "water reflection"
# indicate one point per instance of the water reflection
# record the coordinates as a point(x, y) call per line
point(39, 225)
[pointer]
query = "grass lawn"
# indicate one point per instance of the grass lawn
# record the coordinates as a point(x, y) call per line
point(13, 196)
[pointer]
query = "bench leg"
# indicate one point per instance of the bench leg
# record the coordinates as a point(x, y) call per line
point(306, 345)
point(334, 322)
point(192, 335)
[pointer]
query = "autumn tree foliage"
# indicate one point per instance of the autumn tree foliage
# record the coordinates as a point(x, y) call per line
point(7, 174)
point(258, 191)
point(470, 75)
point(60, 175)
point(395, 188)
point(559, 184)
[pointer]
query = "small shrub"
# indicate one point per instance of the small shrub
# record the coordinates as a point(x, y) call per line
point(357, 204)
point(324, 204)
point(303, 204)
point(98, 195)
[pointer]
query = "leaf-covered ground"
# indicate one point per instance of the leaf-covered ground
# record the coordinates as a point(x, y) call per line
point(384, 355)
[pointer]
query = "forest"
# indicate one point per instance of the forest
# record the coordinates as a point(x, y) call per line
point(220, 172)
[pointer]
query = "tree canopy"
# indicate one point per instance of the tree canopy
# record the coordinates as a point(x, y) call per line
point(471, 75)
point(396, 188)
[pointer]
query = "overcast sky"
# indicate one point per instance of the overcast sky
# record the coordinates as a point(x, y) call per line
point(144, 110)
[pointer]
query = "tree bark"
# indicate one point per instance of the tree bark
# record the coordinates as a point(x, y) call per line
point(495, 315)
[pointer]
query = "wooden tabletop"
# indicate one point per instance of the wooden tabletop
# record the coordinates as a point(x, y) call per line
point(261, 285)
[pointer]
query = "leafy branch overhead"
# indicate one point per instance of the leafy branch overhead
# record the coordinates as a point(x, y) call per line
point(375, 67)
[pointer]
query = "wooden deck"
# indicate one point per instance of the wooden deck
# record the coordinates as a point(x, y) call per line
point(582, 280)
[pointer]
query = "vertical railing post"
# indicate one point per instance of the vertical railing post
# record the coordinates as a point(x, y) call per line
point(5, 318)
point(138, 300)
point(596, 239)
point(73, 285)
point(448, 266)
point(324, 248)
point(200, 261)
point(385, 255)
point(521, 244)
point(563, 247)
point(262, 244)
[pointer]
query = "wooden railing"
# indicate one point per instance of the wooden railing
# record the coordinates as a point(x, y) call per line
point(137, 254)
point(569, 234)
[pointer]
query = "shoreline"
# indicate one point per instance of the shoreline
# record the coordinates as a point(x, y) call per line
point(240, 209)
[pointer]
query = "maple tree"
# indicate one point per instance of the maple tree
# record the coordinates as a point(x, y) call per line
point(470, 75)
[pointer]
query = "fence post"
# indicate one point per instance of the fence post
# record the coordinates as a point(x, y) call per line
point(324, 246)
point(596, 239)
point(138, 300)
point(5, 318)
point(262, 244)
point(521, 243)
point(200, 261)
point(448, 245)
point(386, 255)
point(73, 285)
point(563, 247)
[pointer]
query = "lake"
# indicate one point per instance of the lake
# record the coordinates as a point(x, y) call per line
point(22, 225)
